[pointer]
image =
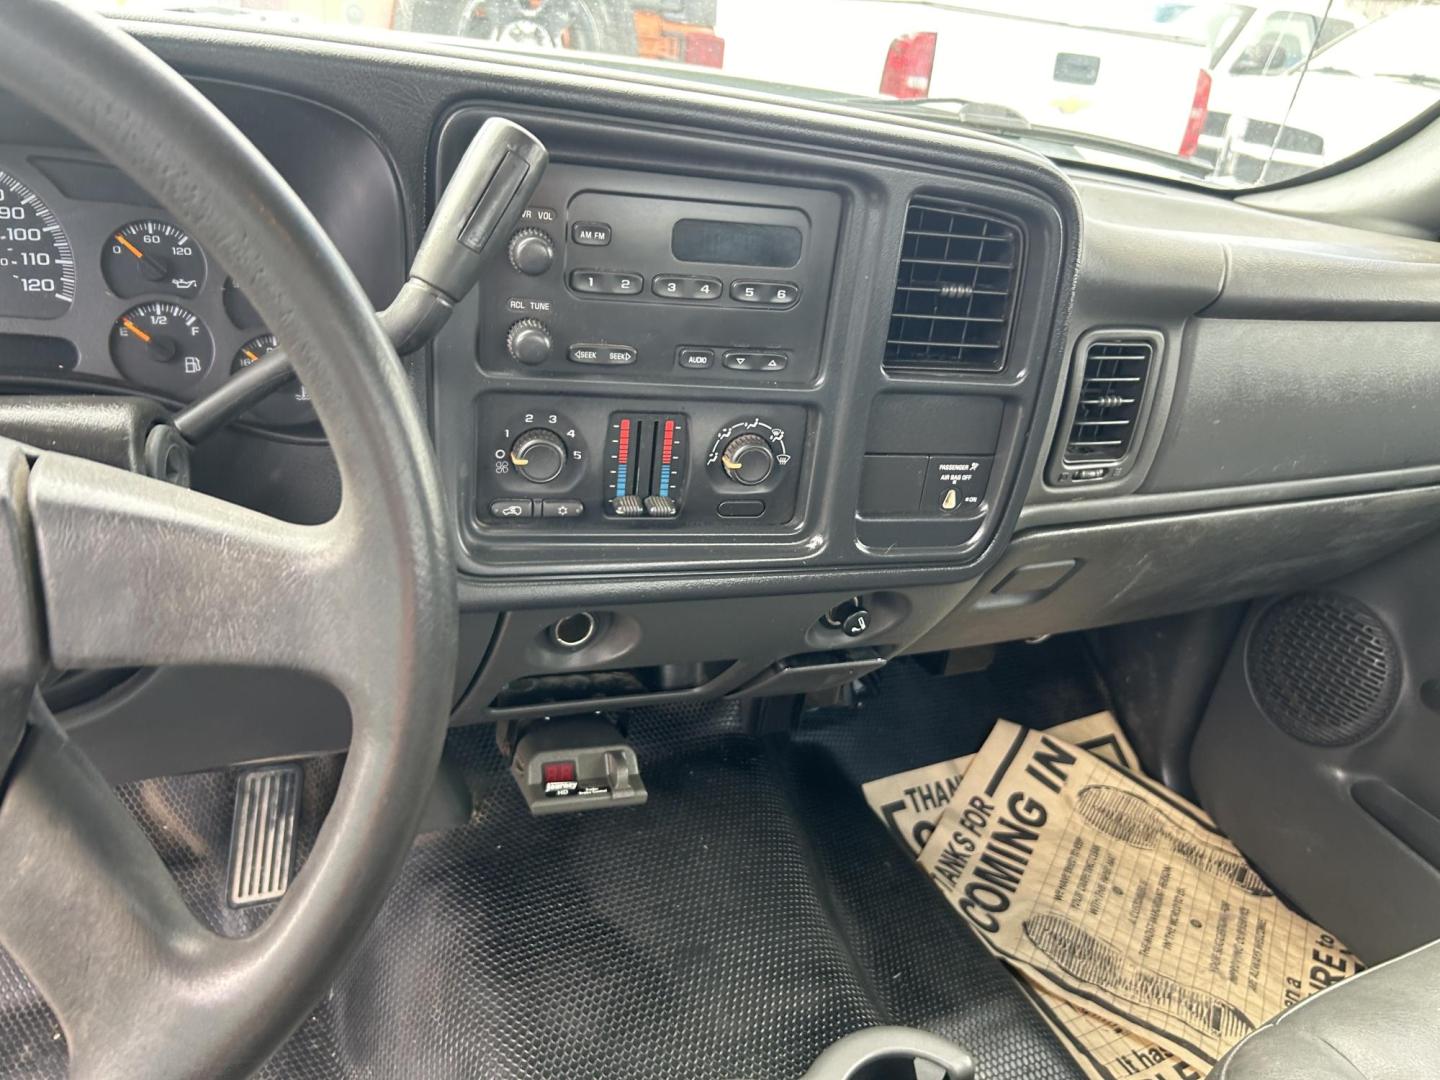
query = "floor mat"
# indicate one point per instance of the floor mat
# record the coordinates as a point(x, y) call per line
point(753, 912)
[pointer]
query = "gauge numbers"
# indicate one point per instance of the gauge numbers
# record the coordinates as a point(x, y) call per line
point(37, 266)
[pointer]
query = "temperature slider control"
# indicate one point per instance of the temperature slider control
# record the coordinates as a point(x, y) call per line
point(645, 464)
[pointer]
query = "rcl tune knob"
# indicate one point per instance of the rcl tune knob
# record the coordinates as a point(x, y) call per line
point(538, 455)
point(528, 342)
point(748, 460)
point(532, 252)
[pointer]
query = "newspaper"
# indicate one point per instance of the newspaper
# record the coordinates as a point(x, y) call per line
point(1104, 1050)
point(909, 803)
point(1121, 899)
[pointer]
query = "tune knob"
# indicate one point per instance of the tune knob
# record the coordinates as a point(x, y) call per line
point(532, 252)
point(529, 342)
point(538, 455)
point(748, 460)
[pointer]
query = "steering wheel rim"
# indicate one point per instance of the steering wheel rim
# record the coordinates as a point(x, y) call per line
point(104, 568)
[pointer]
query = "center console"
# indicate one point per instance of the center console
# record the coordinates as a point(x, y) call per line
point(693, 356)
point(619, 279)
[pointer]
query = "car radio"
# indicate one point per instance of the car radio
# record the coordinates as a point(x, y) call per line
point(613, 275)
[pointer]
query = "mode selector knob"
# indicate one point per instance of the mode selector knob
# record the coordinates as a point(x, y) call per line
point(538, 455)
point(532, 252)
point(748, 460)
point(528, 342)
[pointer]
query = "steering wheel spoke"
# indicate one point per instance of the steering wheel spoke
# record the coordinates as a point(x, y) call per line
point(135, 572)
point(86, 905)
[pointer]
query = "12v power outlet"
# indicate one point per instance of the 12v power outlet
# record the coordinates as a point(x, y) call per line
point(574, 631)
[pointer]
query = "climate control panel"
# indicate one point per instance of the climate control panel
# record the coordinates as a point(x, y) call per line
point(710, 464)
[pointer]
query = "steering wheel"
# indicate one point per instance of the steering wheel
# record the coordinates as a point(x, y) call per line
point(100, 567)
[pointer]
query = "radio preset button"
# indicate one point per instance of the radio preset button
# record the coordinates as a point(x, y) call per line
point(695, 359)
point(679, 287)
point(768, 293)
point(590, 233)
point(607, 282)
point(611, 355)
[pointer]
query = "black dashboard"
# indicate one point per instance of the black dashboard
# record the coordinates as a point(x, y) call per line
point(753, 367)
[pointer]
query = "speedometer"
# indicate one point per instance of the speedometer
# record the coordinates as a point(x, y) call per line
point(37, 267)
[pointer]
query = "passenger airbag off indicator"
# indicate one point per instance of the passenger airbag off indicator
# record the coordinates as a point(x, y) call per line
point(956, 485)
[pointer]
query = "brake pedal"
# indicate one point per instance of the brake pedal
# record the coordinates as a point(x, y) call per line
point(576, 764)
point(262, 834)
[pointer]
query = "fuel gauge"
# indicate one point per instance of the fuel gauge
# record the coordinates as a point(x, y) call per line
point(163, 346)
point(288, 406)
point(152, 257)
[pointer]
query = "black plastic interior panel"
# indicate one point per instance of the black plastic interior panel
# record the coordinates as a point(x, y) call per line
point(681, 651)
point(1261, 401)
point(1159, 566)
point(174, 720)
point(1351, 832)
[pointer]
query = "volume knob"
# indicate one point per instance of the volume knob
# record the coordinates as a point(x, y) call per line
point(528, 342)
point(532, 252)
point(748, 460)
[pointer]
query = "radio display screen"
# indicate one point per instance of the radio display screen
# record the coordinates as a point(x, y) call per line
point(735, 243)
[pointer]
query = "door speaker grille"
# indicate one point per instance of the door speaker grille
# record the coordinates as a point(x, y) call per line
point(1324, 668)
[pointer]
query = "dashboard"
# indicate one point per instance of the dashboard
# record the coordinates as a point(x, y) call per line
point(762, 394)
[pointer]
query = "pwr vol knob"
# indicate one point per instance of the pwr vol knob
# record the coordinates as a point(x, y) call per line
point(528, 342)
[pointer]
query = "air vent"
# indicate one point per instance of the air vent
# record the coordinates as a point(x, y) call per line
point(1108, 407)
point(958, 270)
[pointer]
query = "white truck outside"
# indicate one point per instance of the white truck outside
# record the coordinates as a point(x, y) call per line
point(1119, 75)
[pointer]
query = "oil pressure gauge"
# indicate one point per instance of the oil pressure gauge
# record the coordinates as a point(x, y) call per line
point(152, 257)
point(163, 346)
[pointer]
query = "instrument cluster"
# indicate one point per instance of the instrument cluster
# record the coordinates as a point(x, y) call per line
point(110, 290)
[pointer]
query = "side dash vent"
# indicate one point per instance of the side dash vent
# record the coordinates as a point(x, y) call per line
point(1109, 394)
point(959, 267)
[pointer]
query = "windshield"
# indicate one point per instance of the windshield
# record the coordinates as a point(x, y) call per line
point(1227, 94)
point(1393, 46)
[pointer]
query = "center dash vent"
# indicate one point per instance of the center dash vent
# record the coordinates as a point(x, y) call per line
point(953, 297)
point(1108, 405)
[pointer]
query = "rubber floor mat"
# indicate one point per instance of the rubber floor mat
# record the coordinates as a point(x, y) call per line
point(753, 912)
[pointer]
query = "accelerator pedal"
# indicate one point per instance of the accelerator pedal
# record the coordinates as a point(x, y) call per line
point(262, 834)
point(576, 764)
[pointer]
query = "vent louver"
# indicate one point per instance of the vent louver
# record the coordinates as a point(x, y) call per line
point(953, 296)
point(1113, 381)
